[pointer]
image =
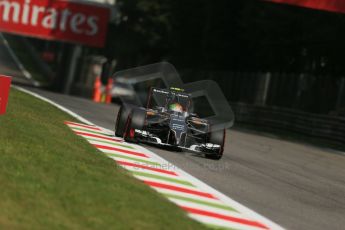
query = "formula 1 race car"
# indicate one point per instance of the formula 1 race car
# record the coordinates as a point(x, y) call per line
point(168, 120)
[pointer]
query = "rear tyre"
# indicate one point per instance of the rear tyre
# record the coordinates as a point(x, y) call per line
point(218, 138)
point(121, 120)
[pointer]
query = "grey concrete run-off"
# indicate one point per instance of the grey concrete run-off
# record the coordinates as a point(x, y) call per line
point(296, 185)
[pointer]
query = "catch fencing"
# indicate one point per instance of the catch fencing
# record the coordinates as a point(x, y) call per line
point(305, 103)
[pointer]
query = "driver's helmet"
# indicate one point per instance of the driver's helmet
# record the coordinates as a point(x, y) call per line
point(176, 107)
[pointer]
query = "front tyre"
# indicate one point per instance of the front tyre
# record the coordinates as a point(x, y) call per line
point(121, 120)
point(217, 138)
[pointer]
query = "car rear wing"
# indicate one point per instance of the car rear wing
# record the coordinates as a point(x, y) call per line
point(137, 82)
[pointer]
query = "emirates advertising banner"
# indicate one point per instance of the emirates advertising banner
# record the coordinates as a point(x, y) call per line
point(327, 5)
point(55, 20)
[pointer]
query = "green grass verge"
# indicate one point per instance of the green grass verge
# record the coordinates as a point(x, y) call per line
point(52, 179)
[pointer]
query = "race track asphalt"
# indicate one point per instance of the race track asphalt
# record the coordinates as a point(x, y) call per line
point(296, 185)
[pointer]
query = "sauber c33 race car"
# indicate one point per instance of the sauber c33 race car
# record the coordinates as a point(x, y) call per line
point(168, 120)
point(158, 108)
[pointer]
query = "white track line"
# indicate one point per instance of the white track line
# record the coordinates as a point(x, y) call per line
point(76, 116)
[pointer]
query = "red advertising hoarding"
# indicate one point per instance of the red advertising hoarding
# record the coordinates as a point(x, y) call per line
point(55, 20)
point(5, 83)
point(327, 5)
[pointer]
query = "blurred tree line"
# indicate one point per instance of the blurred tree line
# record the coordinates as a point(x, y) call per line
point(246, 35)
point(238, 36)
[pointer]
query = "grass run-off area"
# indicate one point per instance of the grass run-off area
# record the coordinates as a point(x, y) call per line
point(52, 179)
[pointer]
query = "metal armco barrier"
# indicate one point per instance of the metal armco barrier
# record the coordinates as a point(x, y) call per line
point(5, 83)
point(327, 127)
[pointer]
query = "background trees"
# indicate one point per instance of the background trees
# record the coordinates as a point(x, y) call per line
point(206, 38)
point(237, 35)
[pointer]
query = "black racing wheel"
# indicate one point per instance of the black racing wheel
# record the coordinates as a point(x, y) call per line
point(135, 120)
point(218, 138)
point(121, 120)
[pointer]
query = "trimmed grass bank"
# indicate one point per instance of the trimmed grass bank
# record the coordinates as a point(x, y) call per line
point(53, 179)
